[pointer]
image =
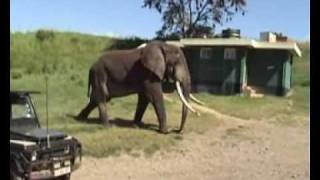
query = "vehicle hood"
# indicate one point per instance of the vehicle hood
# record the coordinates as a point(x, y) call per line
point(36, 134)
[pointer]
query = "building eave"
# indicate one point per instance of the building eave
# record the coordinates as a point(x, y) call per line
point(290, 46)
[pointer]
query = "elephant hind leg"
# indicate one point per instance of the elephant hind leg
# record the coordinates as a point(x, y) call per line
point(100, 94)
point(103, 113)
point(101, 100)
point(141, 108)
point(86, 111)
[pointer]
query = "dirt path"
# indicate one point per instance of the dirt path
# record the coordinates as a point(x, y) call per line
point(237, 150)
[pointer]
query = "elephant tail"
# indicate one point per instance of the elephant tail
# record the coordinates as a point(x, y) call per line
point(90, 83)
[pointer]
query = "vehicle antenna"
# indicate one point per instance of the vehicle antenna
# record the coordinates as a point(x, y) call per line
point(45, 71)
point(47, 116)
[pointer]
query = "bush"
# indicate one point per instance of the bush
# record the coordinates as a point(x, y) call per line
point(43, 35)
point(16, 75)
point(74, 40)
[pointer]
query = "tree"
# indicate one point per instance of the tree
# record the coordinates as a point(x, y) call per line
point(194, 18)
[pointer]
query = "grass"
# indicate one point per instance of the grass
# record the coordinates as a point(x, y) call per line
point(68, 57)
point(66, 97)
point(236, 133)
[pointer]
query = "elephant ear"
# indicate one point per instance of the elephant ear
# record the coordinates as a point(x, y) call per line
point(153, 58)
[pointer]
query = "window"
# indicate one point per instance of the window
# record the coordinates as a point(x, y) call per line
point(20, 108)
point(205, 53)
point(230, 53)
point(21, 111)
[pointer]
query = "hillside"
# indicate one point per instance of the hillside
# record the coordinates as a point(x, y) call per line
point(64, 53)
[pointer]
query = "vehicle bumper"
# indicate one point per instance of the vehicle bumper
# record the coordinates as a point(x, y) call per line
point(53, 168)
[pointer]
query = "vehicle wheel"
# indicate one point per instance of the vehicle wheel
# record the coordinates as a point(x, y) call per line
point(13, 176)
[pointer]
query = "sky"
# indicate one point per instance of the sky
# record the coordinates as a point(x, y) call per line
point(127, 17)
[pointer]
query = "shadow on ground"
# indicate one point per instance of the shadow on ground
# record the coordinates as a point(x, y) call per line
point(118, 122)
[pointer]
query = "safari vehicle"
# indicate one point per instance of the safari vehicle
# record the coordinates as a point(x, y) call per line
point(35, 152)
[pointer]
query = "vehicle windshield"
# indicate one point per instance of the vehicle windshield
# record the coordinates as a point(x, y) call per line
point(22, 113)
point(21, 109)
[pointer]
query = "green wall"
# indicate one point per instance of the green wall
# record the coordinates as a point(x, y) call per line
point(267, 70)
point(287, 74)
point(225, 74)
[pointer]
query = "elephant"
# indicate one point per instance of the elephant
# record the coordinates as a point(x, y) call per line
point(139, 71)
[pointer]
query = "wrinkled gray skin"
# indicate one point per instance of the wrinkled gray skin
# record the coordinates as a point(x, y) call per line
point(123, 72)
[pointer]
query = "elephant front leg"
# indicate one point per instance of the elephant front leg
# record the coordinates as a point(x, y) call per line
point(155, 96)
point(161, 114)
point(103, 113)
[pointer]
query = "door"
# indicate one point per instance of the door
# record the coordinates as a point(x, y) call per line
point(231, 70)
point(265, 69)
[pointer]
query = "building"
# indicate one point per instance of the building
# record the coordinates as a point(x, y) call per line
point(227, 65)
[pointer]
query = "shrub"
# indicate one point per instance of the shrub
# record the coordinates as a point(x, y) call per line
point(16, 75)
point(74, 40)
point(43, 35)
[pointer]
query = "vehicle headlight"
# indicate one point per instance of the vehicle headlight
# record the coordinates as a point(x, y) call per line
point(67, 149)
point(56, 165)
point(33, 156)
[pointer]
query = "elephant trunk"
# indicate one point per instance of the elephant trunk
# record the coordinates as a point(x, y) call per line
point(184, 94)
point(183, 85)
point(183, 117)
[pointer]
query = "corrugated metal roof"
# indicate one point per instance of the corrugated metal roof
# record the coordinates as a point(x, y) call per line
point(176, 43)
point(291, 46)
point(216, 42)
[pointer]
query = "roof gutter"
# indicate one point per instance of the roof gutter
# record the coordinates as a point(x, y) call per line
point(291, 46)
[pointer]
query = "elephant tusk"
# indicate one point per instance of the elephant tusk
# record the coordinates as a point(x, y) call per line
point(142, 46)
point(183, 99)
point(196, 100)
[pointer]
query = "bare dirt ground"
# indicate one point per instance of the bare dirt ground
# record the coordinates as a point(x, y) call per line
point(236, 150)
